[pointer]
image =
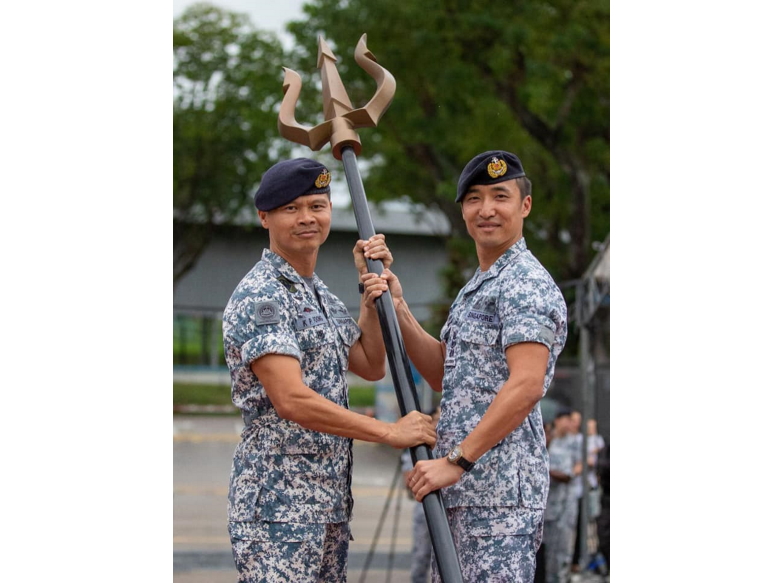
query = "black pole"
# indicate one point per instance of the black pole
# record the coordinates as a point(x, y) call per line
point(437, 523)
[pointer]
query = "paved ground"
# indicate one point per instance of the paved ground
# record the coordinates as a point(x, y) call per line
point(203, 449)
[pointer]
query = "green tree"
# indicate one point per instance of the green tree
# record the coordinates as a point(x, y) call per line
point(227, 85)
point(530, 77)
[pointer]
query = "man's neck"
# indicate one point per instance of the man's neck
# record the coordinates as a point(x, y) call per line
point(489, 255)
point(305, 265)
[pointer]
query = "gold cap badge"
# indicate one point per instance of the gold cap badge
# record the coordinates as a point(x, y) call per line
point(324, 178)
point(496, 168)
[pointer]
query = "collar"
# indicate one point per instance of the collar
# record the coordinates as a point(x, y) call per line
point(498, 266)
point(286, 270)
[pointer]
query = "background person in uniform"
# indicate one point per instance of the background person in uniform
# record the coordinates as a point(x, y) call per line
point(422, 546)
point(557, 526)
point(289, 343)
point(575, 508)
point(495, 361)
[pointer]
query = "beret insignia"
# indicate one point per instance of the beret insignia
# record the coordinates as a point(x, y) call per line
point(496, 168)
point(489, 168)
point(324, 178)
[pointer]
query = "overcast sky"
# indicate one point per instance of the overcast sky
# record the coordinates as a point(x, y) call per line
point(266, 14)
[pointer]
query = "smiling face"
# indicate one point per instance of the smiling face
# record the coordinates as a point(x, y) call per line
point(298, 228)
point(494, 215)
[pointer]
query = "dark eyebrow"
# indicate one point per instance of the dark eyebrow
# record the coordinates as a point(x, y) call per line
point(495, 187)
point(501, 187)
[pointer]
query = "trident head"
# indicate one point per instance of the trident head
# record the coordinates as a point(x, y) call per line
point(341, 119)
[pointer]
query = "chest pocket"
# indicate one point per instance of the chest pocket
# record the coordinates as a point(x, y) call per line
point(483, 334)
point(314, 337)
point(480, 355)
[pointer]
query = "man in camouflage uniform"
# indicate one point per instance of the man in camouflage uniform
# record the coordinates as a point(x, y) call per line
point(495, 361)
point(558, 530)
point(288, 344)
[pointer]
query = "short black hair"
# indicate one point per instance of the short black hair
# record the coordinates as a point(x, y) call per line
point(524, 185)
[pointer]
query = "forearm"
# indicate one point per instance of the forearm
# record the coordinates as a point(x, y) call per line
point(424, 351)
point(281, 376)
point(562, 477)
point(313, 411)
point(371, 344)
point(513, 403)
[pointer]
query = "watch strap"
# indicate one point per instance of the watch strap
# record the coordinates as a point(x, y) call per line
point(465, 464)
point(459, 460)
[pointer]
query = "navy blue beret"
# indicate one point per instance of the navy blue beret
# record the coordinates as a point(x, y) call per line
point(489, 168)
point(291, 179)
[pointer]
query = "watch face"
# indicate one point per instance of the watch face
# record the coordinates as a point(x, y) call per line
point(454, 454)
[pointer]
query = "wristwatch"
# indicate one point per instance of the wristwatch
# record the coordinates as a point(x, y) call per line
point(455, 456)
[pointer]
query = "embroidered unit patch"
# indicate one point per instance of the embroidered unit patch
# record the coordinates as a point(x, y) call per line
point(267, 313)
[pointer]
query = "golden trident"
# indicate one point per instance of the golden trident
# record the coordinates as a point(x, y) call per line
point(339, 128)
point(341, 117)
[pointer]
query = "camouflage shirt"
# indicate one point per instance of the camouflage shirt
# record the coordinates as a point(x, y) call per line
point(514, 301)
point(283, 472)
point(562, 459)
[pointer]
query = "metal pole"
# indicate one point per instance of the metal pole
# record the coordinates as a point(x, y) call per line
point(435, 514)
point(587, 373)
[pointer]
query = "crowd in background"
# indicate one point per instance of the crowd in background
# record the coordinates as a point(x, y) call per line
point(558, 559)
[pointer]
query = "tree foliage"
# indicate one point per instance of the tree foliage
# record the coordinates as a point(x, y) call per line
point(227, 86)
point(529, 77)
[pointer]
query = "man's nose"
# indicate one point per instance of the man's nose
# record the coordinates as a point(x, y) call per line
point(305, 216)
point(488, 208)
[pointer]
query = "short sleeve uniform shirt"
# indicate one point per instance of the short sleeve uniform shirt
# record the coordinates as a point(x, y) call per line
point(283, 472)
point(516, 300)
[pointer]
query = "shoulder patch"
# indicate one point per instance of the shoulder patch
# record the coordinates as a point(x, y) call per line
point(267, 312)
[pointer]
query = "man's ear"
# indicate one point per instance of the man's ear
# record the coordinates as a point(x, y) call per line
point(263, 218)
point(527, 203)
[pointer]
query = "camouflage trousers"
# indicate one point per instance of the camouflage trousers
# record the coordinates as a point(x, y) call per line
point(495, 544)
point(558, 535)
point(281, 552)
